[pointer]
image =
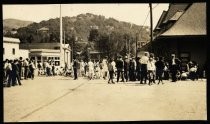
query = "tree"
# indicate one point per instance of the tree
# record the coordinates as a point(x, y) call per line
point(94, 35)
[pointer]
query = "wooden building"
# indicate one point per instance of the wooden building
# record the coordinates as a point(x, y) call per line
point(182, 30)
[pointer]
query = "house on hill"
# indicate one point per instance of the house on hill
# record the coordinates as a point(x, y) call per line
point(182, 30)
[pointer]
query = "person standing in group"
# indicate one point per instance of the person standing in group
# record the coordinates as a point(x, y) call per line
point(26, 69)
point(78, 68)
point(174, 66)
point(160, 69)
point(53, 69)
point(44, 67)
point(39, 68)
point(97, 71)
point(105, 68)
point(138, 69)
point(9, 73)
point(144, 61)
point(120, 69)
point(111, 71)
point(31, 68)
point(47, 66)
point(126, 68)
point(114, 67)
point(101, 68)
point(132, 69)
point(20, 64)
point(166, 71)
point(151, 70)
point(82, 68)
point(6, 70)
point(75, 67)
point(15, 73)
point(192, 70)
point(90, 69)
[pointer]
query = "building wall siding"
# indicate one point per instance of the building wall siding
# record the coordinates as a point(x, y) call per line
point(8, 50)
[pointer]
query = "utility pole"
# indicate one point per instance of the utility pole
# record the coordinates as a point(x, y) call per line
point(72, 44)
point(61, 36)
point(136, 45)
point(151, 23)
point(64, 47)
point(129, 48)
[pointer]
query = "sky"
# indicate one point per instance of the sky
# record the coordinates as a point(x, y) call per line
point(132, 13)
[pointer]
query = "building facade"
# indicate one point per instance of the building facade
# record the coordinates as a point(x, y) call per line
point(41, 52)
point(11, 49)
point(182, 30)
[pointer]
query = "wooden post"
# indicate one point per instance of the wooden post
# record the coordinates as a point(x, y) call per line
point(151, 23)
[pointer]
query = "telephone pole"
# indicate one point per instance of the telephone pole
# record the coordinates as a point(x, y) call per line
point(61, 36)
point(136, 45)
point(151, 23)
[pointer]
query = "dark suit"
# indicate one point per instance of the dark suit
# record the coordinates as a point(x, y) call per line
point(75, 66)
point(15, 74)
point(174, 68)
point(126, 69)
point(120, 69)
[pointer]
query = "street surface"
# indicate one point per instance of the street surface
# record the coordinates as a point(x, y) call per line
point(64, 99)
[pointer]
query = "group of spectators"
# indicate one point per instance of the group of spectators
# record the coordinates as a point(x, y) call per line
point(91, 69)
point(47, 68)
point(17, 70)
point(143, 69)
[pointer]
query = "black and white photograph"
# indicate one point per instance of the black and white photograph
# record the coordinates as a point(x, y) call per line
point(104, 62)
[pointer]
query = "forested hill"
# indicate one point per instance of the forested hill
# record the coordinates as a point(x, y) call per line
point(81, 26)
point(107, 35)
point(9, 24)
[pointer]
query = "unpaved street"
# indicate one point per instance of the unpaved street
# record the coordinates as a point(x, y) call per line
point(64, 99)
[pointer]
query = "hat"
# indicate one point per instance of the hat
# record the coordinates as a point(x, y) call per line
point(119, 56)
point(126, 57)
point(172, 54)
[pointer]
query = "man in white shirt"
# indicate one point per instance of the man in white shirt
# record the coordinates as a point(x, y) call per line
point(144, 61)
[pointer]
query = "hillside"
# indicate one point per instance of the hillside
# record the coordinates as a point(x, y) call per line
point(107, 35)
point(9, 24)
point(81, 25)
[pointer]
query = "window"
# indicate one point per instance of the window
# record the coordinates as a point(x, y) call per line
point(32, 58)
point(57, 63)
point(39, 58)
point(56, 48)
point(13, 51)
point(57, 58)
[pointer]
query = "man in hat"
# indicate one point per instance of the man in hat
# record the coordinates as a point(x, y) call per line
point(174, 66)
point(126, 68)
point(20, 64)
point(120, 68)
point(132, 69)
point(75, 67)
point(144, 60)
point(15, 73)
point(138, 68)
point(26, 68)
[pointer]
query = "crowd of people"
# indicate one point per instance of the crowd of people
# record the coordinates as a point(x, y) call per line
point(17, 70)
point(146, 69)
